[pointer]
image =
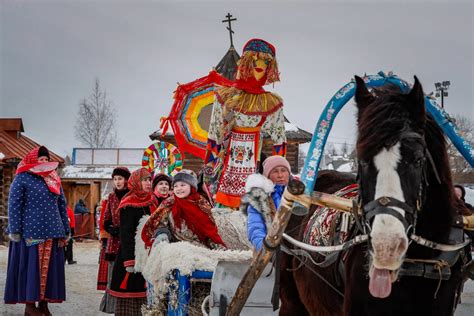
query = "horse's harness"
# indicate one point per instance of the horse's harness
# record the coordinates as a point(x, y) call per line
point(437, 267)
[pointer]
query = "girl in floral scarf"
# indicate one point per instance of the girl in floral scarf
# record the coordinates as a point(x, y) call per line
point(185, 216)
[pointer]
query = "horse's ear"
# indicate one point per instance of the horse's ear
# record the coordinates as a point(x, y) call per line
point(416, 102)
point(362, 95)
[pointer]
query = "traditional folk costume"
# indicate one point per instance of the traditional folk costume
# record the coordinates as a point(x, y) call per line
point(103, 237)
point(129, 288)
point(38, 225)
point(184, 219)
point(110, 219)
point(242, 115)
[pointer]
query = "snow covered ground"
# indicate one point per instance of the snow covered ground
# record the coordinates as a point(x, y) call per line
point(84, 299)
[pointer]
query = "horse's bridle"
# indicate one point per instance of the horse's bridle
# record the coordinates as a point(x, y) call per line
point(385, 205)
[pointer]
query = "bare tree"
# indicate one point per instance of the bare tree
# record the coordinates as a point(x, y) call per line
point(462, 171)
point(96, 120)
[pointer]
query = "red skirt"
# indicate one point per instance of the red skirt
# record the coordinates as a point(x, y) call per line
point(102, 273)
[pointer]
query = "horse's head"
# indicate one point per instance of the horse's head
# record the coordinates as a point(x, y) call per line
point(391, 153)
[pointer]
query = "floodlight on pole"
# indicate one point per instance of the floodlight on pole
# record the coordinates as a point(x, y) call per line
point(441, 90)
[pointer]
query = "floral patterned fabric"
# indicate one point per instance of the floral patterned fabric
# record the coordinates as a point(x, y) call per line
point(329, 226)
point(234, 146)
point(163, 218)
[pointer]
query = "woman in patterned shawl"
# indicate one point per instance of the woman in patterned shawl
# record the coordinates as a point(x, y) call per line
point(127, 285)
point(185, 216)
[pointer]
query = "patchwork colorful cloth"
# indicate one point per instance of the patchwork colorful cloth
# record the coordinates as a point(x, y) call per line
point(329, 226)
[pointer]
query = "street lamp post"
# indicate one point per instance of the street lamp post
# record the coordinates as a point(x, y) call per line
point(442, 90)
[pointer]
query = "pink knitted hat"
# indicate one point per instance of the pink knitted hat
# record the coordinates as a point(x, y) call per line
point(275, 161)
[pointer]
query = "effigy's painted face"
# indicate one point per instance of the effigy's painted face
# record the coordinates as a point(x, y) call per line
point(259, 67)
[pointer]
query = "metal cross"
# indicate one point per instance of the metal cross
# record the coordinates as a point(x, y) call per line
point(229, 28)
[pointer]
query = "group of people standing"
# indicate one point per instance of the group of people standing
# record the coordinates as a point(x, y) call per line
point(178, 212)
point(39, 226)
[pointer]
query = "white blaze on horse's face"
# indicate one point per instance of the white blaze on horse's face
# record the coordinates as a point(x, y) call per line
point(388, 236)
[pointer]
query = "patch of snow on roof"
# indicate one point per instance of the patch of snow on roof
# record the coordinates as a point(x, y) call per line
point(347, 167)
point(76, 172)
point(2, 155)
point(290, 127)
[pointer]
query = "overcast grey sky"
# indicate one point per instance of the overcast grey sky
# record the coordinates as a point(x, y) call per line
point(51, 51)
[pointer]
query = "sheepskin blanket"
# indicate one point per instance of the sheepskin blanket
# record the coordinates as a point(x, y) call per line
point(141, 253)
point(187, 257)
point(232, 227)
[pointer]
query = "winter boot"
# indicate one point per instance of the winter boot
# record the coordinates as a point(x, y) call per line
point(31, 310)
point(43, 307)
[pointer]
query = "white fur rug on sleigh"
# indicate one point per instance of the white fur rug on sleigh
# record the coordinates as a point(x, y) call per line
point(166, 257)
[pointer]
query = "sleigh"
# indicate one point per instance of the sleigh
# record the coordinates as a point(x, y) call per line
point(244, 286)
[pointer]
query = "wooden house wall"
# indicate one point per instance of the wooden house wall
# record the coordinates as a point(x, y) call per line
point(7, 172)
point(89, 191)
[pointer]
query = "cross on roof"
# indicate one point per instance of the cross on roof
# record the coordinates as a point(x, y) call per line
point(229, 28)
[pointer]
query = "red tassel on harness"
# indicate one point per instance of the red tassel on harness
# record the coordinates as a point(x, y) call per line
point(123, 285)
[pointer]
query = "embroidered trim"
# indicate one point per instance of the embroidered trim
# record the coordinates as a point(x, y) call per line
point(126, 294)
point(44, 251)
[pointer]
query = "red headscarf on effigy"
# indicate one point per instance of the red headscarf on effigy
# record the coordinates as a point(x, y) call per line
point(137, 197)
point(47, 170)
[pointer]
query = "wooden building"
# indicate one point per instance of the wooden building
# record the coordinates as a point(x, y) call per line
point(14, 145)
point(89, 177)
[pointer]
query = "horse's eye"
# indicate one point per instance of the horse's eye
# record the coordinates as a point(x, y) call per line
point(419, 161)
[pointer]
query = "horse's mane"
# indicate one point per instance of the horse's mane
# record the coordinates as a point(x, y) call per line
point(381, 125)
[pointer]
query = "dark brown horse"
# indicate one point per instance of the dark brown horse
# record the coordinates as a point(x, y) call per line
point(405, 188)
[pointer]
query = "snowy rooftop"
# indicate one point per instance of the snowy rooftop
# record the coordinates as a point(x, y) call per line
point(90, 172)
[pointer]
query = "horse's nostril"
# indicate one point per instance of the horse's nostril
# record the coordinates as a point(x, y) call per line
point(402, 246)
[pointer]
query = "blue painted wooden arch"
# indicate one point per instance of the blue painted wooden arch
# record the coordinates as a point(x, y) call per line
point(337, 102)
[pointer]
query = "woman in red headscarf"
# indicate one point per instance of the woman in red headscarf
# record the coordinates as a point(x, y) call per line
point(127, 285)
point(38, 227)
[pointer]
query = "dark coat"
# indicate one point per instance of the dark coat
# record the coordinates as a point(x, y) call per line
point(125, 284)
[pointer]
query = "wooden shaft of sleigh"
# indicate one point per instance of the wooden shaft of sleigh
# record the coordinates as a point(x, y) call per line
point(263, 257)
